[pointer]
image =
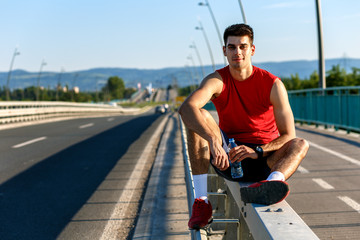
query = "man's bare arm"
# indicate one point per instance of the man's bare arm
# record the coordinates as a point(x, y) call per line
point(283, 116)
point(284, 120)
point(190, 112)
point(190, 109)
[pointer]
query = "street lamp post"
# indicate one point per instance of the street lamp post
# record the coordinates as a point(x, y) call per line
point(188, 71)
point(242, 11)
point(198, 55)
point(59, 83)
point(16, 52)
point(216, 26)
point(322, 79)
point(196, 73)
point(207, 43)
point(43, 63)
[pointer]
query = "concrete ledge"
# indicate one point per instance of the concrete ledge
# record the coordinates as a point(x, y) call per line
point(278, 221)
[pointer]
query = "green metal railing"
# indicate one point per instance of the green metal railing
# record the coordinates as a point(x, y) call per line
point(338, 107)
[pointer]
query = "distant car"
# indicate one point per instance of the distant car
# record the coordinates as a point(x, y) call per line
point(160, 109)
point(166, 106)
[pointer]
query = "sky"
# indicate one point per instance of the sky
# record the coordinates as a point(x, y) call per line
point(72, 35)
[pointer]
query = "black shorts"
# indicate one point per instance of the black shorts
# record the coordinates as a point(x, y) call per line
point(254, 169)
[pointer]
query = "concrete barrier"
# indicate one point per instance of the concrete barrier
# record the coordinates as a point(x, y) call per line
point(18, 111)
point(278, 221)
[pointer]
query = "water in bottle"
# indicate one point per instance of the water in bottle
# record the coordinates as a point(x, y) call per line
point(236, 169)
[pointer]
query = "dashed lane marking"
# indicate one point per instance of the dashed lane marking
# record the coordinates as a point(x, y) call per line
point(87, 125)
point(29, 142)
point(322, 183)
point(352, 203)
point(302, 170)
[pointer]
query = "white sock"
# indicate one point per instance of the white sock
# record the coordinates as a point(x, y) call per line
point(276, 175)
point(200, 185)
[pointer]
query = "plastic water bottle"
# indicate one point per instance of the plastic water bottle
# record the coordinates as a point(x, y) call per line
point(236, 169)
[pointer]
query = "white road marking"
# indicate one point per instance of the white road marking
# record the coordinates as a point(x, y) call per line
point(87, 125)
point(118, 214)
point(349, 159)
point(110, 119)
point(323, 184)
point(29, 142)
point(302, 170)
point(353, 204)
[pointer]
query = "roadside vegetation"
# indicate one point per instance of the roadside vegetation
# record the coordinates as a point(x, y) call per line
point(114, 89)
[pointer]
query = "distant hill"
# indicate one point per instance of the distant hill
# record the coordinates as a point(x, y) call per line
point(92, 79)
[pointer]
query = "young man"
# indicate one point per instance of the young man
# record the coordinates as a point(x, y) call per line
point(253, 108)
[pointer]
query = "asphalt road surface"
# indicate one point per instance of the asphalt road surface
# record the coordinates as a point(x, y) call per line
point(54, 177)
point(63, 179)
point(325, 191)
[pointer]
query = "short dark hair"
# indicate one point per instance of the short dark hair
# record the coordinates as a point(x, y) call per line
point(239, 30)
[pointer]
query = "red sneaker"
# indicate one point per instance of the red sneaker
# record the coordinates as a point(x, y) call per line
point(201, 214)
point(265, 192)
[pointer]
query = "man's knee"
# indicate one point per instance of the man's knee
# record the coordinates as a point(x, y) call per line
point(299, 146)
point(301, 143)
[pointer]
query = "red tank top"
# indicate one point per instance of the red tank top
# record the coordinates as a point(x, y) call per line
point(244, 107)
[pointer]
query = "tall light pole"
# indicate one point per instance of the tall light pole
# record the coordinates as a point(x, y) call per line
point(73, 86)
point(192, 60)
point(242, 11)
point(207, 43)
point(43, 63)
point(58, 85)
point(198, 55)
point(322, 79)
point(16, 52)
point(216, 26)
point(187, 70)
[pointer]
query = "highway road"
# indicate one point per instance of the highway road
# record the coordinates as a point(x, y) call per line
point(64, 179)
point(71, 179)
point(165, 95)
point(325, 191)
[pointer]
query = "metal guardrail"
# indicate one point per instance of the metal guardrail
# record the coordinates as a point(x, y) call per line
point(195, 235)
point(278, 221)
point(336, 107)
point(18, 111)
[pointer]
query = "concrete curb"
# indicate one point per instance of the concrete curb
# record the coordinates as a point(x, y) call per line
point(164, 212)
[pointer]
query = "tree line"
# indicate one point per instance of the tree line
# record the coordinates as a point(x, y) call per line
point(335, 77)
point(113, 89)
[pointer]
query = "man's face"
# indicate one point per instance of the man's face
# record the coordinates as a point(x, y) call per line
point(238, 51)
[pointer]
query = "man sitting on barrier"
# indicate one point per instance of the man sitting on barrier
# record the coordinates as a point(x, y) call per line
point(254, 109)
